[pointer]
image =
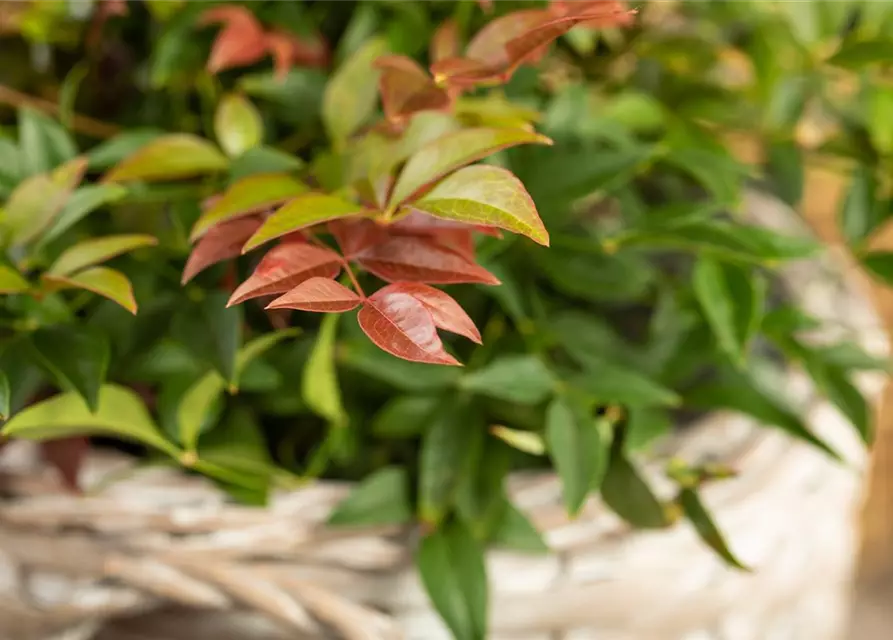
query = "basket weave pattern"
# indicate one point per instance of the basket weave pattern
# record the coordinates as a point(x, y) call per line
point(143, 540)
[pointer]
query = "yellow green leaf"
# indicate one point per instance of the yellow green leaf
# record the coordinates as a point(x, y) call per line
point(526, 441)
point(90, 252)
point(249, 195)
point(487, 195)
point(303, 211)
point(449, 152)
point(102, 281)
point(351, 94)
point(36, 201)
point(237, 124)
point(120, 412)
point(319, 385)
point(11, 281)
point(170, 157)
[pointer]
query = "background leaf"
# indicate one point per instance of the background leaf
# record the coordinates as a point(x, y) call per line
point(77, 357)
point(381, 499)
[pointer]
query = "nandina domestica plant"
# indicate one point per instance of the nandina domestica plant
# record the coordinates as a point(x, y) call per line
point(412, 245)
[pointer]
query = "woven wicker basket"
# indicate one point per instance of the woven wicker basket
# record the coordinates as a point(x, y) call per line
point(158, 555)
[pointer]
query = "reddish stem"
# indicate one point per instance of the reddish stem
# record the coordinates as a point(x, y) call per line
point(344, 263)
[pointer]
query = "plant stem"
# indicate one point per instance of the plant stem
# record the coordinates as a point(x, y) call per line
point(344, 263)
point(82, 124)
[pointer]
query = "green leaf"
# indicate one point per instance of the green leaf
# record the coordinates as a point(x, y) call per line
point(44, 143)
point(480, 496)
point(5, 396)
point(444, 459)
point(517, 378)
point(729, 240)
point(858, 55)
point(834, 383)
point(116, 149)
point(748, 393)
point(352, 92)
point(195, 410)
point(644, 426)
point(413, 377)
point(77, 357)
point(588, 338)
point(785, 167)
point(120, 412)
point(34, 203)
point(11, 281)
point(733, 300)
point(515, 532)
point(263, 160)
point(248, 195)
point(526, 441)
point(97, 250)
point(238, 125)
point(879, 264)
point(303, 211)
point(578, 451)
point(861, 212)
point(880, 101)
point(850, 357)
point(627, 494)
point(404, 416)
point(380, 499)
point(609, 383)
point(451, 566)
point(170, 157)
point(102, 281)
point(596, 276)
point(707, 530)
point(195, 407)
point(212, 332)
point(488, 195)
point(452, 151)
point(319, 384)
point(82, 202)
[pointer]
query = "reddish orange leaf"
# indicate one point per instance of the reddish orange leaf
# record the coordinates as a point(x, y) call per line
point(486, 5)
point(355, 236)
point(318, 294)
point(426, 224)
point(406, 89)
point(67, 456)
point(289, 51)
point(459, 240)
point(241, 42)
point(504, 44)
point(445, 42)
point(401, 325)
point(220, 243)
point(446, 312)
point(416, 259)
point(284, 267)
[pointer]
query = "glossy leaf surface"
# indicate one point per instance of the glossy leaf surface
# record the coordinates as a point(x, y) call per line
point(452, 151)
point(252, 194)
point(299, 213)
point(444, 310)
point(401, 325)
point(102, 281)
point(284, 267)
point(319, 294)
point(421, 260)
point(222, 242)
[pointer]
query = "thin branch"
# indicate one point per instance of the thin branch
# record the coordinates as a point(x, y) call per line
point(344, 263)
point(82, 124)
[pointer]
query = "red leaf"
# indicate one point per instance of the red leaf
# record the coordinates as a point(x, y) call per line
point(355, 236)
point(318, 294)
point(423, 223)
point(284, 267)
point(401, 325)
point(241, 42)
point(445, 42)
point(289, 51)
point(505, 43)
point(67, 456)
point(446, 312)
point(406, 88)
point(459, 240)
point(486, 5)
point(416, 259)
point(221, 242)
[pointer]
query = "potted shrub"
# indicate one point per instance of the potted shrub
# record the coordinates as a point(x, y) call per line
point(459, 321)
